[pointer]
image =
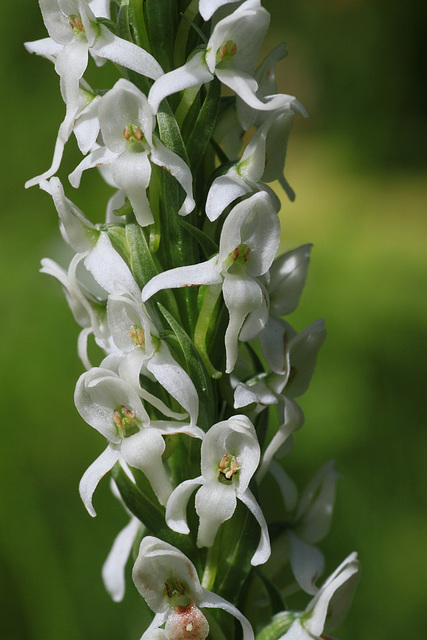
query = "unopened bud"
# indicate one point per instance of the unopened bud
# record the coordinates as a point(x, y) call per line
point(186, 623)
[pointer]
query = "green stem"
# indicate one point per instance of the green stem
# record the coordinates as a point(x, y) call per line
point(208, 315)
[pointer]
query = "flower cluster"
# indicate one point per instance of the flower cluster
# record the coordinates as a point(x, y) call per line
point(182, 294)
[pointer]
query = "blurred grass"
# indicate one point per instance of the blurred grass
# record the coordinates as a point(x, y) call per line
point(365, 407)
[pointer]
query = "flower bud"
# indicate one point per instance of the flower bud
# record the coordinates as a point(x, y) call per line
point(186, 623)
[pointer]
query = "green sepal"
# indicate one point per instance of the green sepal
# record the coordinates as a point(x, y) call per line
point(204, 126)
point(117, 235)
point(197, 372)
point(144, 268)
point(187, 17)
point(110, 24)
point(162, 18)
point(145, 506)
point(137, 24)
point(123, 29)
point(210, 308)
point(209, 247)
point(278, 626)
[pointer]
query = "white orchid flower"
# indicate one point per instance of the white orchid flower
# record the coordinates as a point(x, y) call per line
point(127, 124)
point(101, 259)
point(309, 523)
point(262, 161)
point(296, 359)
point(168, 582)
point(74, 31)
point(142, 351)
point(230, 454)
point(328, 608)
point(113, 407)
point(231, 54)
point(249, 240)
point(208, 7)
point(88, 311)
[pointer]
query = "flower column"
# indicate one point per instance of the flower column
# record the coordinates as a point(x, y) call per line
point(186, 307)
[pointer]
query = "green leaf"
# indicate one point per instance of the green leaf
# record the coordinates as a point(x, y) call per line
point(162, 19)
point(208, 246)
point(205, 124)
point(197, 372)
point(280, 623)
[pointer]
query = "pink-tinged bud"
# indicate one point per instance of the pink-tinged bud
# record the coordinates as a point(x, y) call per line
point(126, 133)
point(186, 623)
point(233, 49)
point(223, 51)
point(138, 133)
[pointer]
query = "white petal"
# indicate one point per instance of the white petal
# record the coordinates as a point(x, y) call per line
point(263, 551)
point(287, 486)
point(175, 380)
point(45, 47)
point(86, 127)
point(213, 601)
point(316, 505)
point(80, 233)
point(144, 451)
point(176, 517)
point(303, 351)
point(82, 347)
point(109, 269)
point(224, 190)
point(193, 73)
point(339, 586)
point(94, 473)
point(242, 294)
point(287, 278)
point(293, 419)
point(193, 275)
point(114, 566)
point(273, 340)
point(170, 161)
point(208, 7)
point(126, 54)
point(215, 503)
point(100, 156)
point(131, 172)
point(307, 562)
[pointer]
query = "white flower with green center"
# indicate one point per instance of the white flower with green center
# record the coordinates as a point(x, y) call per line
point(262, 161)
point(143, 352)
point(249, 241)
point(167, 579)
point(308, 522)
point(327, 610)
point(113, 407)
point(127, 124)
point(231, 54)
point(230, 454)
point(74, 31)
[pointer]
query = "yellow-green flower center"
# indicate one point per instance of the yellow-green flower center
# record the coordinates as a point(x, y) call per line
point(76, 24)
point(227, 468)
point(226, 51)
point(125, 421)
point(137, 335)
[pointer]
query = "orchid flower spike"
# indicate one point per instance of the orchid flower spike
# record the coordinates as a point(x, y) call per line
point(74, 31)
point(113, 407)
point(230, 454)
point(127, 124)
point(169, 583)
point(249, 241)
point(326, 611)
point(231, 54)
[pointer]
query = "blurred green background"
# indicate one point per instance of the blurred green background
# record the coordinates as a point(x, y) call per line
point(358, 167)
